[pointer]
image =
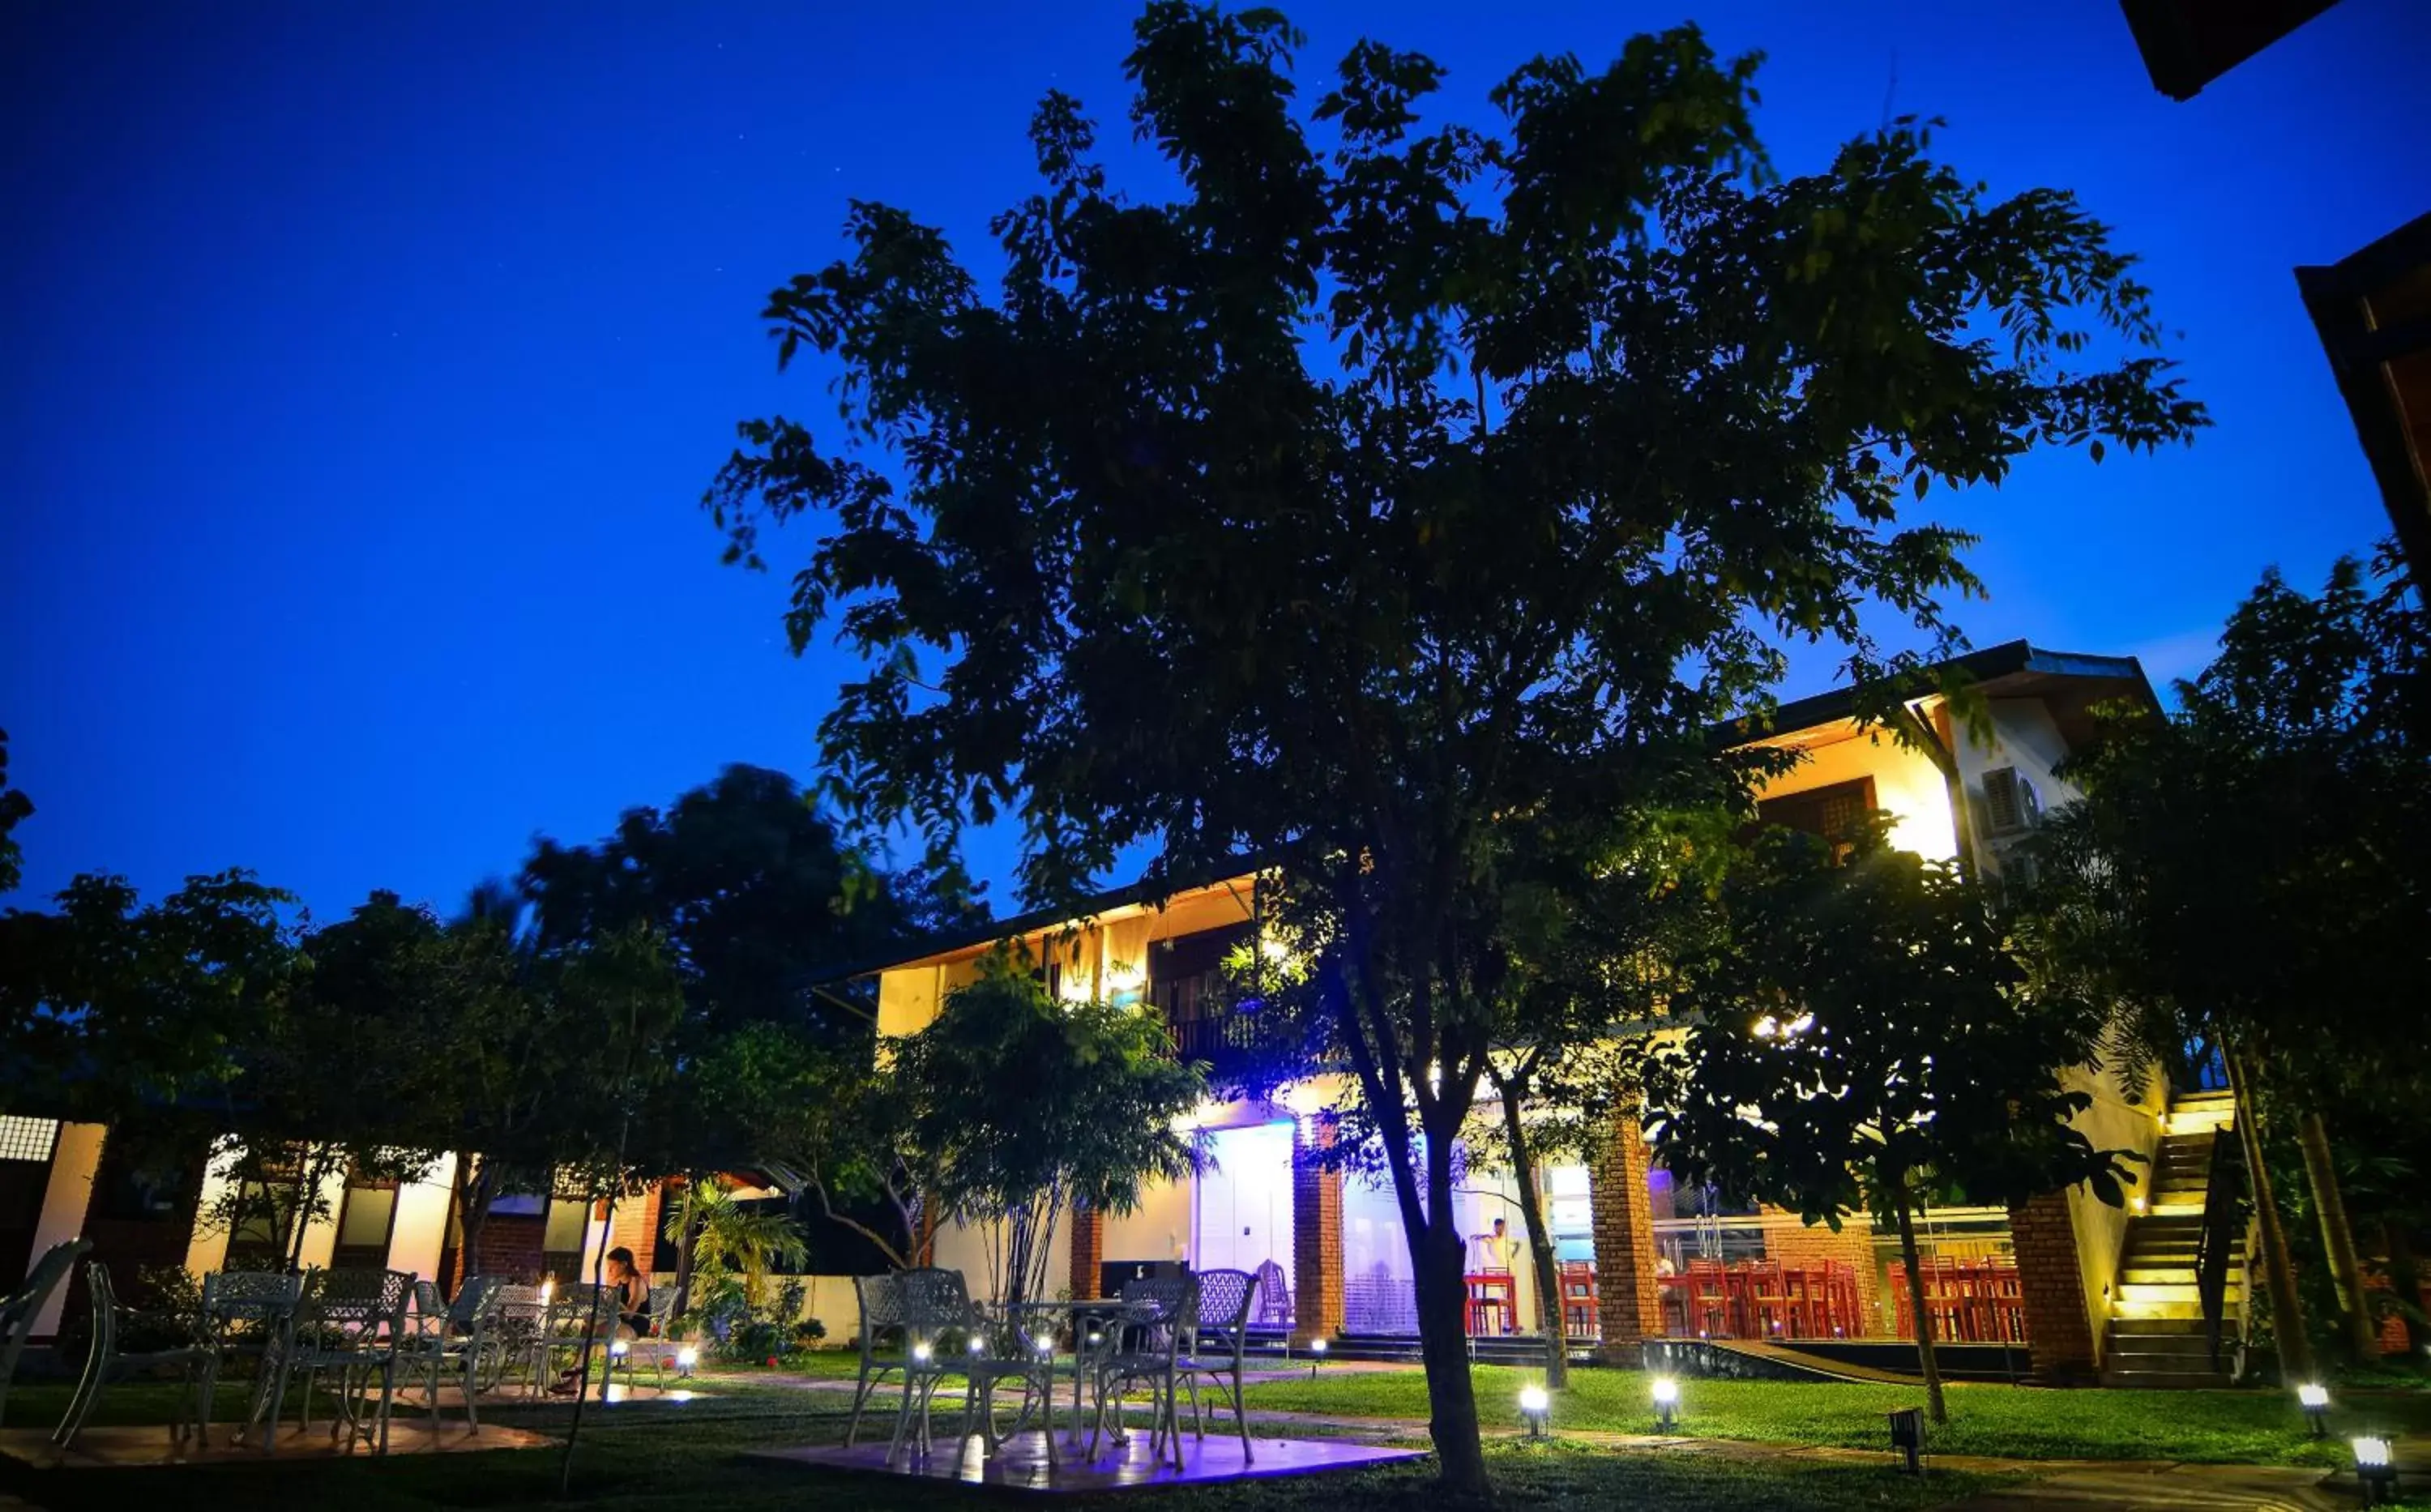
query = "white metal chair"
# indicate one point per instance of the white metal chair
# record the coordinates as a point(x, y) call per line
point(521, 1308)
point(196, 1361)
point(1215, 1345)
point(1020, 1348)
point(881, 1314)
point(453, 1341)
point(938, 1319)
point(576, 1313)
point(1155, 1311)
point(17, 1312)
point(249, 1313)
point(350, 1321)
point(652, 1344)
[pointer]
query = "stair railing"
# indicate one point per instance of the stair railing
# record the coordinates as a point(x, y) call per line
point(2222, 1221)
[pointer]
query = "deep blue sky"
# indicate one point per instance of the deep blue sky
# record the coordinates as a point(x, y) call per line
point(365, 364)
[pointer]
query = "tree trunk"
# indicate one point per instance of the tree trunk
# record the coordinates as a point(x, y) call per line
point(1540, 1245)
point(1443, 1342)
point(2337, 1239)
point(473, 1214)
point(684, 1235)
point(1934, 1406)
point(2287, 1309)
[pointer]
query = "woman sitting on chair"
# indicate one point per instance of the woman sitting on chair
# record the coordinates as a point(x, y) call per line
point(630, 1292)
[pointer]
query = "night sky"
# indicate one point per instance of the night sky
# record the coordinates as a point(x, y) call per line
point(365, 366)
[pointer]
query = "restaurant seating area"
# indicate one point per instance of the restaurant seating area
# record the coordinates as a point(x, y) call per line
point(1763, 1299)
point(344, 1339)
point(1966, 1301)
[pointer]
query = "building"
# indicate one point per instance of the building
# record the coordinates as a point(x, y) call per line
point(1642, 1260)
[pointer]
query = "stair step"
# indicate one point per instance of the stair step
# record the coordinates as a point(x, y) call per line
point(2166, 1381)
point(2151, 1348)
point(2156, 1328)
point(2144, 1275)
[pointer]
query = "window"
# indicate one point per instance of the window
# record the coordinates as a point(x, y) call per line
point(560, 1243)
point(365, 1221)
point(1837, 814)
point(29, 1138)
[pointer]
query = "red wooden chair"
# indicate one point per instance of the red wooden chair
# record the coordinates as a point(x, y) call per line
point(1491, 1302)
point(1580, 1317)
point(1843, 1304)
point(1766, 1298)
point(1709, 1297)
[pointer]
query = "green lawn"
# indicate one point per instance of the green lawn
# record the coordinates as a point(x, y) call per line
point(2252, 1427)
point(690, 1458)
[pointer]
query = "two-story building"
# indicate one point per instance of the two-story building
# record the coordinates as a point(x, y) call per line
point(1642, 1258)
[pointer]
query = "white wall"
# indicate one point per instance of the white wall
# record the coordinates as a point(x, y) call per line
point(421, 1227)
point(69, 1193)
point(1159, 1228)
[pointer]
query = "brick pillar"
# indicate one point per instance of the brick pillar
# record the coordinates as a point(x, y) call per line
point(1790, 1242)
point(635, 1225)
point(2057, 1328)
point(1317, 1233)
point(1088, 1250)
point(1628, 1303)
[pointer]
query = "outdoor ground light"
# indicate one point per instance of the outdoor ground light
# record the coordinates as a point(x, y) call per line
point(1907, 1438)
point(686, 1358)
point(1536, 1410)
point(2315, 1400)
point(2376, 1466)
point(1666, 1402)
point(1316, 1356)
point(920, 1353)
point(618, 1348)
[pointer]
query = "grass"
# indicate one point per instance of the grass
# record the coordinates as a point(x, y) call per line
point(2210, 1427)
point(650, 1456)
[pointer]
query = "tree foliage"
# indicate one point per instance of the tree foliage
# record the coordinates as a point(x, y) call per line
point(1022, 1105)
point(1371, 493)
point(2248, 875)
point(15, 808)
point(1865, 1041)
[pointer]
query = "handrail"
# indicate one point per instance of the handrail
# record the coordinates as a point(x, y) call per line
point(2224, 1210)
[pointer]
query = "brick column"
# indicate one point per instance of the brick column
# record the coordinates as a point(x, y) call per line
point(1791, 1242)
point(1088, 1250)
point(1628, 1303)
point(635, 1226)
point(2057, 1328)
point(1317, 1233)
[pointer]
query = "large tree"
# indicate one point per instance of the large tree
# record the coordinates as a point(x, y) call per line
point(1866, 1040)
point(1371, 493)
point(2248, 875)
point(113, 1009)
point(15, 808)
point(760, 905)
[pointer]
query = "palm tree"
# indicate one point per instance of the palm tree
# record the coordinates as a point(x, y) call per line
point(730, 1239)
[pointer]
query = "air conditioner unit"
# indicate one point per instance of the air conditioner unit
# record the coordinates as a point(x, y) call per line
point(2010, 806)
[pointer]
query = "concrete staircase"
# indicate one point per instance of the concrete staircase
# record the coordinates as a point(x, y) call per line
point(2157, 1336)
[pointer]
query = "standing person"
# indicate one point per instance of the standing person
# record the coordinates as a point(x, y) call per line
point(627, 1295)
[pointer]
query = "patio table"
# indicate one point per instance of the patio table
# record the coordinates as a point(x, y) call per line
point(1080, 1315)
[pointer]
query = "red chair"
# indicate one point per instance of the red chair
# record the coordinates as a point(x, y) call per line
point(1709, 1297)
point(1492, 1302)
point(1765, 1298)
point(1843, 1304)
point(1581, 1315)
